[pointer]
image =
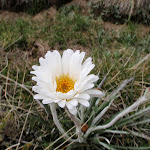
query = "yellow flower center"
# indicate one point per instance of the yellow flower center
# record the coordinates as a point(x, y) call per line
point(64, 84)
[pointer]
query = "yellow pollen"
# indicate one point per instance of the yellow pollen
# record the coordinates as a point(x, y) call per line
point(64, 84)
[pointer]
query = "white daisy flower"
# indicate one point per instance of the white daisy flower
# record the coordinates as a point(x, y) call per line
point(65, 80)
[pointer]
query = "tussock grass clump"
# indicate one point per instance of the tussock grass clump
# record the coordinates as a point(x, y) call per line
point(139, 10)
point(125, 6)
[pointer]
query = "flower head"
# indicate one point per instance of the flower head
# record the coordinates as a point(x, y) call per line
point(65, 80)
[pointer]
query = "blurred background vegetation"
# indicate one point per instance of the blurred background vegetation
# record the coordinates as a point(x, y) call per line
point(115, 33)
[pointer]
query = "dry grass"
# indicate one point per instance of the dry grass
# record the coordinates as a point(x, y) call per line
point(125, 6)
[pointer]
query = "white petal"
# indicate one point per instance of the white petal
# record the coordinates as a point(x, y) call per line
point(69, 105)
point(73, 102)
point(86, 70)
point(83, 96)
point(86, 87)
point(66, 60)
point(42, 61)
point(75, 65)
point(47, 101)
point(95, 93)
point(77, 86)
point(71, 93)
point(82, 55)
point(67, 96)
point(57, 100)
point(48, 54)
point(90, 78)
point(33, 72)
point(62, 103)
point(88, 60)
point(42, 74)
point(48, 85)
point(60, 95)
point(58, 62)
point(39, 96)
point(73, 111)
point(34, 78)
point(35, 67)
point(53, 63)
point(84, 102)
point(44, 91)
point(36, 89)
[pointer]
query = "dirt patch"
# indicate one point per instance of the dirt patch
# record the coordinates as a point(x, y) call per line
point(82, 3)
point(144, 30)
point(110, 26)
point(11, 16)
point(49, 13)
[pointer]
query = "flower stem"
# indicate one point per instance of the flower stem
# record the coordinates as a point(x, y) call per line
point(77, 124)
point(57, 123)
